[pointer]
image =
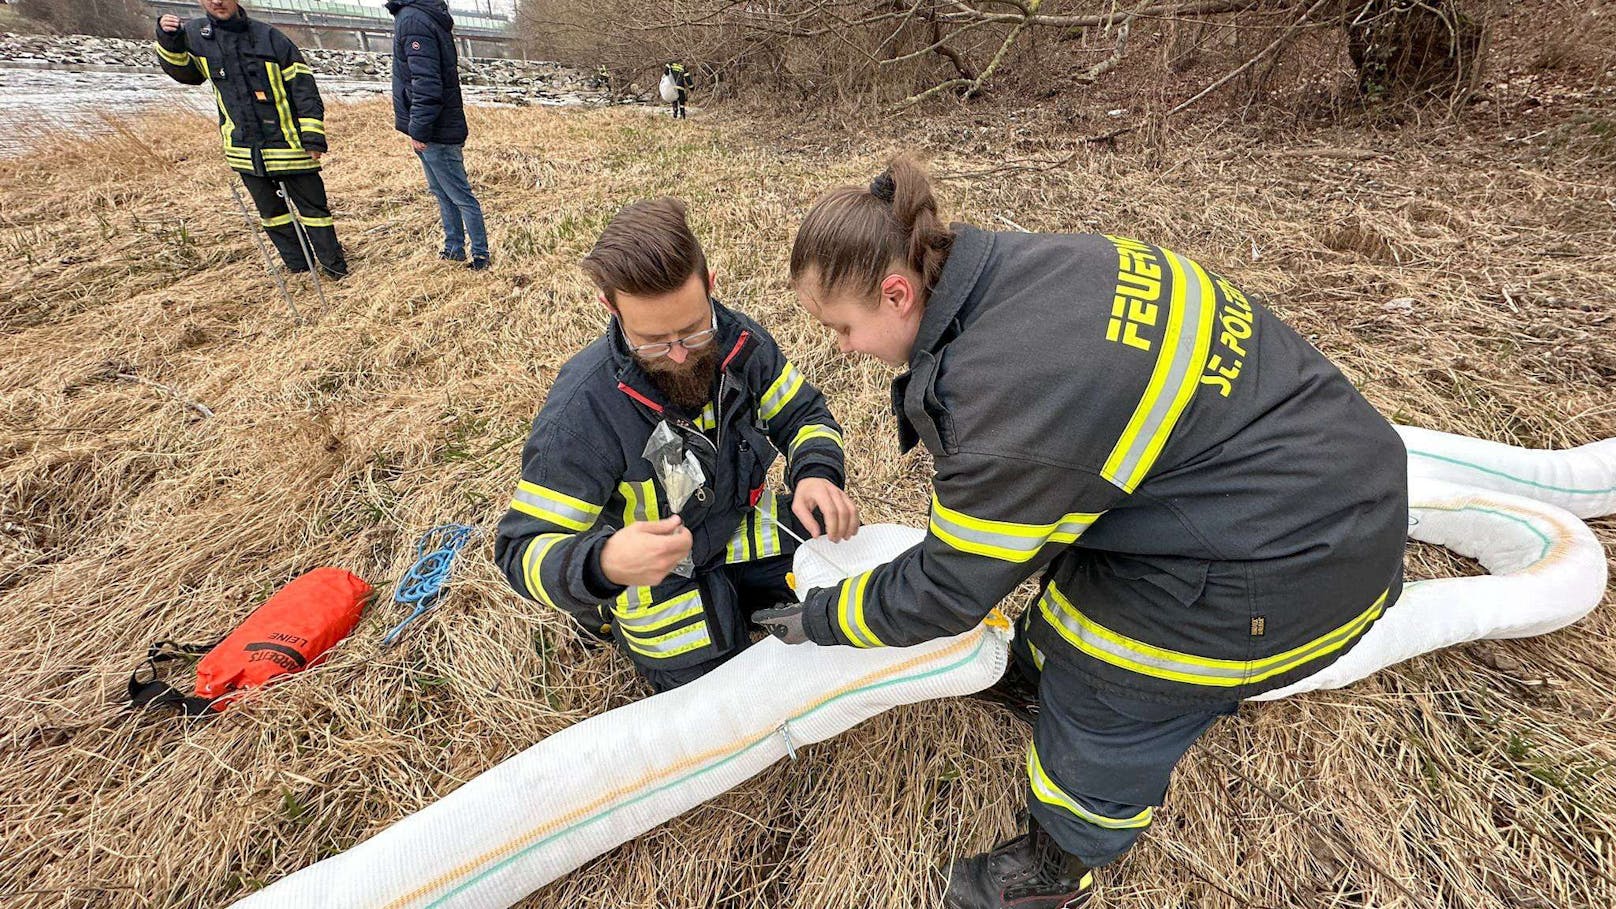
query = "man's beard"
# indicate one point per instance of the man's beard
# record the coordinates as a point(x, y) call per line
point(688, 385)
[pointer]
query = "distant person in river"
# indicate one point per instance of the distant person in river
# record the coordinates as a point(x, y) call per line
point(427, 108)
point(270, 117)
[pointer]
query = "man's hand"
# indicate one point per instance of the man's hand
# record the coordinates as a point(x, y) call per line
point(645, 553)
point(170, 23)
point(316, 155)
point(417, 144)
point(784, 622)
point(841, 515)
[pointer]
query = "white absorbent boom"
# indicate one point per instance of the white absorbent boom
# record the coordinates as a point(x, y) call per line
point(606, 780)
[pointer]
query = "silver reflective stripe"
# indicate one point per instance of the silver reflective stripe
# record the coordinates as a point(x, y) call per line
point(1086, 635)
point(768, 535)
point(639, 501)
point(662, 614)
point(673, 644)
point(633, 598)
point(740, 545)
point(850, 611)
point(1050, 794)
point(1019, 545)
point(1177, 373)
point(555, 507)
point(1104, 644)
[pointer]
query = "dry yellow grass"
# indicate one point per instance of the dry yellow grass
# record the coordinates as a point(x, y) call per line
point(1479, 777)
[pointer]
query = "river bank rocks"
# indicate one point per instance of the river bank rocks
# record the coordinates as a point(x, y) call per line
point(517, 81)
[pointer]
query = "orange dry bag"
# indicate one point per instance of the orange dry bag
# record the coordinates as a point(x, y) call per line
point(289, 633)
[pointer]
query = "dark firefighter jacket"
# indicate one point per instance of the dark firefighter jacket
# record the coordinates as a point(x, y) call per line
point(270, 114)
point(584, 475)
point(681, 78)
point(426, 73)
point(1220, 511)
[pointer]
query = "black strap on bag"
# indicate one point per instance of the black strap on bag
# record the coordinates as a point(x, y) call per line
point(154, 693)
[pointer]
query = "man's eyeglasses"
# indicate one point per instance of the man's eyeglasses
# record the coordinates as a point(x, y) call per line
point(689, 342)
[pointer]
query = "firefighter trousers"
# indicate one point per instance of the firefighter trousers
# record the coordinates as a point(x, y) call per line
point(759, 584)
point(1100, 762)
point(308, 193)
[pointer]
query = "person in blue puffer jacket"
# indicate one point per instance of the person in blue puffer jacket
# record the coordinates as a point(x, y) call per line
point(427, 108)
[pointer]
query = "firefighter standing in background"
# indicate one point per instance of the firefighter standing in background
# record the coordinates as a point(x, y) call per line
point(270, 117)
point(675, 87)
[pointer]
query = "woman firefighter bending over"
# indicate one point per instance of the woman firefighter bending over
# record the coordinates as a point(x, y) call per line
point(1212, 508)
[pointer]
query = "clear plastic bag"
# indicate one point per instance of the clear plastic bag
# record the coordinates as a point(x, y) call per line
point(679, 473)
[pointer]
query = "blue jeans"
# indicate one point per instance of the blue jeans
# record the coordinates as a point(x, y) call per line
point(445, 167)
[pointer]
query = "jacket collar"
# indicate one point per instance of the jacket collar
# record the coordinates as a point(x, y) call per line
point(632, 379)
point(947, 302)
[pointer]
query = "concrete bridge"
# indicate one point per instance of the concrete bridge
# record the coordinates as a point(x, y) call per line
point(483, 32)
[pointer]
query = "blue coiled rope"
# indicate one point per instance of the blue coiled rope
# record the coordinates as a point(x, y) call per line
point(422, 585)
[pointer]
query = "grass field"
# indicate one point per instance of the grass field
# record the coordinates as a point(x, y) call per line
point(1479, 777)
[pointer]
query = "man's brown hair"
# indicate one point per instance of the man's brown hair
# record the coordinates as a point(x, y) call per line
point(646, 250)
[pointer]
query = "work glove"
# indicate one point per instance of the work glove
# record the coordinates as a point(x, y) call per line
point(784, 622)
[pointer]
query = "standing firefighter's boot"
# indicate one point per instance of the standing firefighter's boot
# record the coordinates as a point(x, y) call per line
point(1028, 872)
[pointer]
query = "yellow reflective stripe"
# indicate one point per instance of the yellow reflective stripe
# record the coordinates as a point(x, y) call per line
point(784, 389)
point(740, 545)
point(533, 565)
point(653, 616)
point(850, 612)
point(309, 125)
point(227, 126)
point(297, 69)
point(708, 420)
point(554, 506)
point(319, 222)
point(766, 535)
point(633, 598)
point(1124, 652)
point(278, 87)
point(180, 59)
point(638, 628)
point(1177, 374)
point(1050, 794)
point(1037, 656)
point(277, 221)
point(639, 502)
point(1005, 540)
point(275, 167)
point(672, 644)
point(286, 153)
point(814, 431)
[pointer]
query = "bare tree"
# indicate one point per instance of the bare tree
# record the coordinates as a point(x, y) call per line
point(906, 52)
point(112, 18)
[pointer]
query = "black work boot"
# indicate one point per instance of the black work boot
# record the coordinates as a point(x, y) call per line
point(1015, 693)
point(1028, 872)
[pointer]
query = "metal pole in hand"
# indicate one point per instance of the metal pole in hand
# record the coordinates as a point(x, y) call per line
point(303, 239)
point(274, 269)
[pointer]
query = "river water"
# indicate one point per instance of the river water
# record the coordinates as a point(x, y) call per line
point(38, 102)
